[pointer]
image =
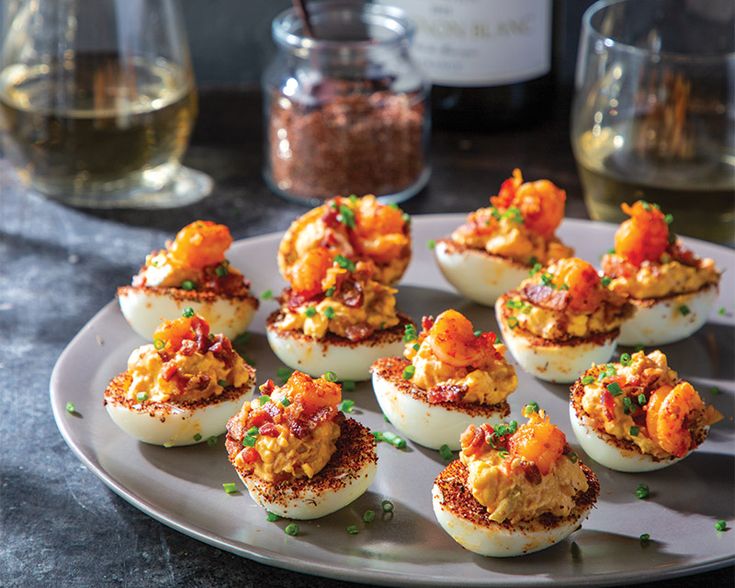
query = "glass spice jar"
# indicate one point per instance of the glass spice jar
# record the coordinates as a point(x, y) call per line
point(346, 112)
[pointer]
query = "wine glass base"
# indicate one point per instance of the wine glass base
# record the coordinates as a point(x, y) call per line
point(186, 187)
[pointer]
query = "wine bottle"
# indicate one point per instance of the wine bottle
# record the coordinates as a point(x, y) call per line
point(489, 60)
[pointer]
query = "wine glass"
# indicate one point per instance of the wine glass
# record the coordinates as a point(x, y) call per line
point(654, 111)
point(97, 101)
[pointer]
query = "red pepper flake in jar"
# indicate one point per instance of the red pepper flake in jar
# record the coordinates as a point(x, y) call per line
point(347, 110)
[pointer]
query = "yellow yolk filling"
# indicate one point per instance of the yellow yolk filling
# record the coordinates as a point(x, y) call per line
point(513, 240)
point(653, 366)
point(490, 384)
point(377, 311)
point(654, 280)
point(501, 486)
point(205, 374)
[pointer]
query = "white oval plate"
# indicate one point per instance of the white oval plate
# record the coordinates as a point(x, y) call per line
point(182, 487)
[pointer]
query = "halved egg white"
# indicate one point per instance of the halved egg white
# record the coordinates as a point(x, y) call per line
point(348, 359)
point(169, 424)
point(346, 477)
point(146, 307)
point(409, 411)
point(559, 363)
point(478, 275)
point(658, 321)
point(467, 522)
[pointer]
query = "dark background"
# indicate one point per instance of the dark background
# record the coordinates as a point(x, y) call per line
point(231, 44)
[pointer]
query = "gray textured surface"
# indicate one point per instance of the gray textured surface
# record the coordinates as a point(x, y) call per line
point(58, 524)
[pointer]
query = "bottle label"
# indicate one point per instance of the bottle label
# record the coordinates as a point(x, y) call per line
point(476, 43)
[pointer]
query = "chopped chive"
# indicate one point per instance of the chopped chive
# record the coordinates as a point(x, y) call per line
point(722, 311)
point(329, 312)
point(406, 217)
point(223, 383)
point(141, 396)
point(714, 390)
point(416, 346)
point(285, 402)
point(348, 385)
point(625, 359)
point(249, 441)
point(168, 444)
point(264, 399)
point(188, 285)
point(605, 281)
point(684, 310)
point(266, 295)
point(645, 538)
point(639, 347)
point(477, 333)
point(446, 453)
point(346, 216)
point(409, 333)
point(330, 376)
point(159, 344)
point(198, 437)
point(291, 529)
point(230, 487)
point(513, 303)
point(642, 491)
point(71, 409)
point(329, 292)
point(385, 418)
point(512, 322)
point(669, 218)
point(721, 525)
point(271, 517)
point(627, 405)
point(387, 506)
point(284, 373)
point(408, 372)
point(310, 311)
point(394, 440)
point(368, 516)
point(353, 198)
point(252, 431)
point(352, 530)
point(547, 279)
point(188, 312)
point(537, 267)
point(212, 441)
point(530, 408)
point(641, 399)
point(346, 405)
point(611, 251)
point(378, 436)
point(634, 431)
point(614, 389)
point(431, 244)
point(573, 457)
point(221, 270)
point(345, 263)
point(586, 380)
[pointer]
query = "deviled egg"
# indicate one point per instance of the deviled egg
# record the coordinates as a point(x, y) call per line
point(357, 228)
point(497, 246)
point(335, 316)
point(191, 272)
point(636, 415)
point(182, 388)
point(296, 453)
point(671, 288)
point(514, 489)
point(561, 319)
point(452, 375)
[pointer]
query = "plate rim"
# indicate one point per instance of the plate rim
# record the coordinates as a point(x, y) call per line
point(284, 561)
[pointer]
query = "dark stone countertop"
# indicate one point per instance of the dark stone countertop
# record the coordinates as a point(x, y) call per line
point(60, 525)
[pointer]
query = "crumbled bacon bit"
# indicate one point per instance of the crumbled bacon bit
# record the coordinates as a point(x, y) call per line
point(531, 472)
point(427, 322)
point(546, 296)
point(250, 455)
point(269, 430)
point(358, 332)
point(169, 372)
point(268, 387)
point(447, 393)
point(351, 294)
